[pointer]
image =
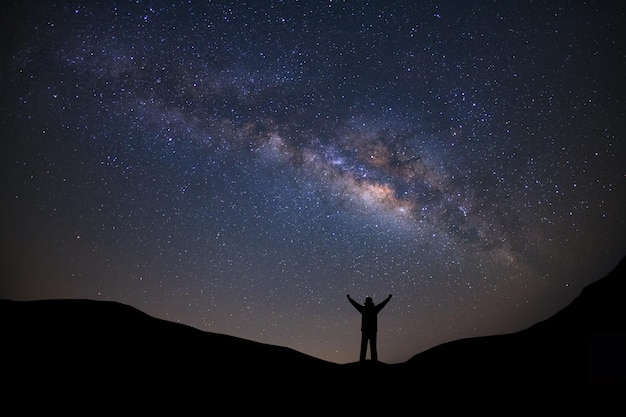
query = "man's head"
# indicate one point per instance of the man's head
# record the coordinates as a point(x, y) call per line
point(368, 300)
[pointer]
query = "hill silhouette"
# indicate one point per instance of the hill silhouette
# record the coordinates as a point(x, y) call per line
point(585, 342)
point(99, 346)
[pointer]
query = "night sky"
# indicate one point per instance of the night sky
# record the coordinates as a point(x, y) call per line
point(240, 167)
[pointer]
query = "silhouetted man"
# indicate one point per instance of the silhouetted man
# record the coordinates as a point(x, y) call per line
point(369, 324)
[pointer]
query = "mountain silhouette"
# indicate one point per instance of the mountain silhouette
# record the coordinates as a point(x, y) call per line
point(585, 342)
point(87, 346)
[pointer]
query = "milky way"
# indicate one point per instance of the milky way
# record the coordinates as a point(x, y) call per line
point(241, 167)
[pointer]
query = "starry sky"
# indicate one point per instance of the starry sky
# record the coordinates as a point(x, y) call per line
point(240, 167)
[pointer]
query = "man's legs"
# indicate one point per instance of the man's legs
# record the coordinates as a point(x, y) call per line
point(373, 352)
point(363, 346)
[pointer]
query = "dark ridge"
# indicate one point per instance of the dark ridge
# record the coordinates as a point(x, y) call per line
point(89, 347)
point(114, 338)
point(585, 342)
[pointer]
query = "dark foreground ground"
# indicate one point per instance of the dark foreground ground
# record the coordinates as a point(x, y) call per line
point(106, 351)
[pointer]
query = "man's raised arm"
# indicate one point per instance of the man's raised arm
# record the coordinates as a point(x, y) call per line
point(354, 303)
point(383, 303)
